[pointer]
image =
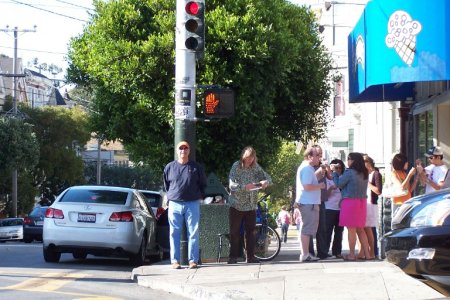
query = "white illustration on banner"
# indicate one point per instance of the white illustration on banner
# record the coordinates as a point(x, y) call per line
point(402, 35)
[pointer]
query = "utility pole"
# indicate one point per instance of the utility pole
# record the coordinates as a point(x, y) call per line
point(15, 71)
point(189, 45)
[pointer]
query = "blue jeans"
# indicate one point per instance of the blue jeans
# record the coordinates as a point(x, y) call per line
point(184, 212)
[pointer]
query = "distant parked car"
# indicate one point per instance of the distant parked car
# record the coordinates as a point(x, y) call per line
point(158, 203)
point(11, 229)
point(419, 242)
point(156, 200)
point(33, 223)
point(102, 221)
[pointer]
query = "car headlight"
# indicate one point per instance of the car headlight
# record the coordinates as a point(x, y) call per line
point(433, 214)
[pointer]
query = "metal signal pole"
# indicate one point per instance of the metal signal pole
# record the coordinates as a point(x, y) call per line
point(189, 44)
point(15, 71)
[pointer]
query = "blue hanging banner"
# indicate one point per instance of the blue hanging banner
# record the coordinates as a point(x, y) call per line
point(396, 43)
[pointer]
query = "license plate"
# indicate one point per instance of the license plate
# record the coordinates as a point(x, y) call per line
point(39, 223)
point(86, 218)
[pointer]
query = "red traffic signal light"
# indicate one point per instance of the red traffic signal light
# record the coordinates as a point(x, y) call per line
point(219, 103)
point(192, 8)
point(195, 26)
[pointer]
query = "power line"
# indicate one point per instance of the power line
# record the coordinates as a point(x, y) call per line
point(49, 11)
point(32, 50)
point(76, 5)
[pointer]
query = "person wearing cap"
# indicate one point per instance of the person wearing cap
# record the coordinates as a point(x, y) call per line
point(184, 182)
point(434, 174)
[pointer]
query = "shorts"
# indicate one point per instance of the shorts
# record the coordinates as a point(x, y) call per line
point(310, 218)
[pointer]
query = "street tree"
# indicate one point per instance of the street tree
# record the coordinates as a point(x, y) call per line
point(19, 150)
point(269, 52)
point(58, 131)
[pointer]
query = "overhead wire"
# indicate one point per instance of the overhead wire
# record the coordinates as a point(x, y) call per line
point(47, 10)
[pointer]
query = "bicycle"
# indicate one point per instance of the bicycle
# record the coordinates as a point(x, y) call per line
point(267, 239)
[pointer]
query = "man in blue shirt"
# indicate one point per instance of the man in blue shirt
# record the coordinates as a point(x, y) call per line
point(184, 182)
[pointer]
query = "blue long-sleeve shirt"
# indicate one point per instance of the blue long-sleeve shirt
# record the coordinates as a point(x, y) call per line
point(184, 182)
point(351, 183)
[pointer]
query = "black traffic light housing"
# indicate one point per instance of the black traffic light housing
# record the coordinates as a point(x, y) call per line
point(195, 27)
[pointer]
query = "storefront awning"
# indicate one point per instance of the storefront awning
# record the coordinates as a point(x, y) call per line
point(395, 44)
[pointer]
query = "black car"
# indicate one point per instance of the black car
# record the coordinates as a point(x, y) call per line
point(419, 242)
point(33, 224)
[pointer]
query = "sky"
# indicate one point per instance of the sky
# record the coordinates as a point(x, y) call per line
point(56, 22)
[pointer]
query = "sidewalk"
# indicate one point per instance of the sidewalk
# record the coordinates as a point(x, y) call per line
point(286, 278)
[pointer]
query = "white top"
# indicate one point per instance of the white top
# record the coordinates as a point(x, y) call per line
point(436, 174)
point(369, 191)
point(305, 175)
point(335, 196)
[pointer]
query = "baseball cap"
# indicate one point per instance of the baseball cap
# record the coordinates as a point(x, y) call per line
point(434, 151)
point(183, 143)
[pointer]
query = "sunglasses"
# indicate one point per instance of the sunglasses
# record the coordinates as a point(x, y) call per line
point(183, 148)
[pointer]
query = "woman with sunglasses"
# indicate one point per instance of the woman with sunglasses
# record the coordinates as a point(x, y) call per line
point(353, 185)
point(246, 178)
point(332, 211)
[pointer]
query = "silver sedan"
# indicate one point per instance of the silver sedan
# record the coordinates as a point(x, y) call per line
point(102, 221)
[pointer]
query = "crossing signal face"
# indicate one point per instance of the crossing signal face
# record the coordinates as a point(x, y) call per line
point(219, 103)
point(195, 26)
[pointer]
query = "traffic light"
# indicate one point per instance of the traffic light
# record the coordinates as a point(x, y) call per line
point(195, 26)
point(219, 103)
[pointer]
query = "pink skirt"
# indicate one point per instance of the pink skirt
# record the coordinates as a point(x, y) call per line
point(353, 212)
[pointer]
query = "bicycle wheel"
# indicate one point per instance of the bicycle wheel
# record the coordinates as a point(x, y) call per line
point(267, 242)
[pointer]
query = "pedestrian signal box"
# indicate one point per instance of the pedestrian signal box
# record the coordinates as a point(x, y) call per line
point(219, 103)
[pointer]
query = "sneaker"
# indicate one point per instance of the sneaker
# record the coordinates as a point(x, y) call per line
point(193, 265)
point(308, 258)
point(176, 266)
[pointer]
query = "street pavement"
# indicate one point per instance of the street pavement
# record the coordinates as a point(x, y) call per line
point(287, 278)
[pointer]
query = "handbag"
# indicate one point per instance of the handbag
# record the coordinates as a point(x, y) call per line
point(391, 190)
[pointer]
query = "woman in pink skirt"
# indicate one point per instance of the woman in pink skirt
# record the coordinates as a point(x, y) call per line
point(353, 185)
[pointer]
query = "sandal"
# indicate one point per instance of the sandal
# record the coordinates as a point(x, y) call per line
point(349, 258)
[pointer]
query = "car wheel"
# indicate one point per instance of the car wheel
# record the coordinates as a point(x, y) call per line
point(138, 259)
point(51, 256)
point(27, 239)
point(79, 255)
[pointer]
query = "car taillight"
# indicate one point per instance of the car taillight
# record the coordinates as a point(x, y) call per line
point(159, 212)
point(54, 213)
point(121, 216)
point(27, 221)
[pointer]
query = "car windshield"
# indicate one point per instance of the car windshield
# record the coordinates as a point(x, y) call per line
point(13, 222)
point(152, 199)
point(95, 196)
point(38, 212)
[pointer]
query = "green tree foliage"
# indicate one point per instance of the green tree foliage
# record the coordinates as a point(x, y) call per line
point(58, 131)
point(283, 169)
point(18, 145)
point(269, 52)
point(19, 150)
point(143, 178)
